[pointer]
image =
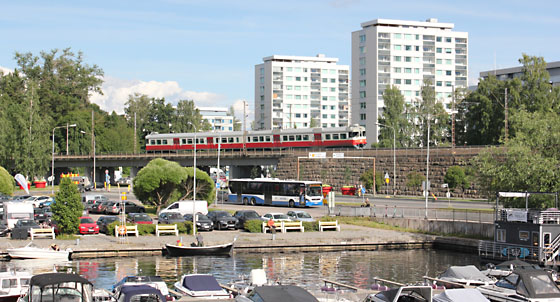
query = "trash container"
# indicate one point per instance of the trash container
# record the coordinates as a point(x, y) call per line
point(19, 233)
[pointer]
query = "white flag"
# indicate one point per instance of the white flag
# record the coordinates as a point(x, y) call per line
point(22, 182)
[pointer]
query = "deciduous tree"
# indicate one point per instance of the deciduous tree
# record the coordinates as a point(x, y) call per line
point(6, 182)
point(68, 207)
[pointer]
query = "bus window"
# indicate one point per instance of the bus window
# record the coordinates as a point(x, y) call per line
point(353, 134)
point(183, 141)
point(267, 138)
point(152, 142)
point(189, 141)
point(255, 139)
point(230, 140)
point(158, 142)
point(224, 140)
point(261, 138)
point(248, 139)
point(237, 139)
point(306, 137)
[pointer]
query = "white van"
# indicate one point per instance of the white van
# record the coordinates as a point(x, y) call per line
point(186, 207)
point(14, 211)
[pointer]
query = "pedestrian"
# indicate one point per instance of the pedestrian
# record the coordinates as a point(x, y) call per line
point(271, 227)
point(366, 203)
point(199, 240)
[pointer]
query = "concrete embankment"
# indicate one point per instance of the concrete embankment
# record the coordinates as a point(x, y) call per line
point(349, 238)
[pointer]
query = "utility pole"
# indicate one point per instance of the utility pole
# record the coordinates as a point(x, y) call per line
point(134, 132)
point(427, 184)
point(93, 144)
point(506, 113)
point(453, 118)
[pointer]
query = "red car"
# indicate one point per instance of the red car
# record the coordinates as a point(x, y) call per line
point(88, 226)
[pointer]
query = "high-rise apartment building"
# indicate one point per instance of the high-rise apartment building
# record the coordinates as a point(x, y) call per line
point(299, 92)
point(404, 54)
point(217, 117)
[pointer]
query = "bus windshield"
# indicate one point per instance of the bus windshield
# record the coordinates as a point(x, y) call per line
point(314, 190)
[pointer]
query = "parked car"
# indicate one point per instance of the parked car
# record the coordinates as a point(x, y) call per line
point(27, 224)
point(131, 207)
point(277, 217)
point(4, 230)
point(99, 207)
point(170, 218)
point(139, 218)
point(47, 203)
point(104, 221)
point(113, 207)
point(246, 215)
point(88, 226)
point(203, 223)
point(42, 214)
point(300, 216)
point(222, 220)
point(20, 197)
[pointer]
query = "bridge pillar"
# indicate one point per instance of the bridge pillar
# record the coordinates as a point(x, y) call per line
point(134, 171)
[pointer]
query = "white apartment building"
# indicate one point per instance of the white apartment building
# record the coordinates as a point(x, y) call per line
point(404, 53)
point(290, 91)
point(217, 117)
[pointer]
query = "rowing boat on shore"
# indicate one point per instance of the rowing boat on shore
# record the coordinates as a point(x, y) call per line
point(213, 250)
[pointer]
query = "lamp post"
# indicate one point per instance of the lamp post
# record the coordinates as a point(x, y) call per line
point(93, 143)
point(427, 185)
point(52, 155)
point(194, 179)
point(218, 167)
point(394, 156)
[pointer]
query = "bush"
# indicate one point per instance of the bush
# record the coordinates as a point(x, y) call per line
point(414, 179)
point(253, 226)
point(455, 177)
point(6, 182)
point(367, 179)
point(68, 207)
point(185, 227)
point(310, 226)
point(146, 229)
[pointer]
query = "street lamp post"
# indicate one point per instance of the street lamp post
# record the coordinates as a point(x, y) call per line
point(218, 167)
point(427, 184)
point(52, 154)
point(93, 143)
point(194, 179)
point(394, 157)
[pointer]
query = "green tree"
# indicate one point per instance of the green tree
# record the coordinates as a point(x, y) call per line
point(367, 179)
point(138, 105)
point(429, 110)
point(236, 122)
point(68, 207)
point(537, 93)
point(204, 186)
point(394, 115)
point(6, 182)
point(186, 115)
point(313, 123)
point(156, 183)
point(455, 177)
point(414, 179)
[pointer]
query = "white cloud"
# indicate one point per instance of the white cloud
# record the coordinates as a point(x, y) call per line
point(116, 92)
point(5, 70)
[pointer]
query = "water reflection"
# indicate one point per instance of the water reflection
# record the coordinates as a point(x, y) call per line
point(356, 267)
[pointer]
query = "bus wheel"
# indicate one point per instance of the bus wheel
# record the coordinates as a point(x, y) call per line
point(253, 201)
point(245, 201)
point(291, 203)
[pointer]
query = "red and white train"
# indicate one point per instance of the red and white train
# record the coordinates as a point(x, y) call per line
point(352, 136)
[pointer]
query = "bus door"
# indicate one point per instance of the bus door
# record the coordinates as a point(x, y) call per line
point(267, 193)
point(301, 197)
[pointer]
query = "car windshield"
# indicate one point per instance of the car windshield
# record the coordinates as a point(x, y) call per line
point(201, 217)
point(303, 215)
point(27, 222)
point(251, 215)
point(314, 190)
point(86, 220)
point(280, 216)
point(141, 218)
point(174, 216)
point(222, 214)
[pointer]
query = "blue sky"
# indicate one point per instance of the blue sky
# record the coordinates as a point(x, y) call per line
point(206, 50)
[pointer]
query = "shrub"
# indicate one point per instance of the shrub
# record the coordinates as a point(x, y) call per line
point(455, 177)
point(309, 226)
point(185, 227)
point(367, 179)
point(253, 226)
point(146, 229)
point(414, 179)
point(6, 182)
point(68, 207)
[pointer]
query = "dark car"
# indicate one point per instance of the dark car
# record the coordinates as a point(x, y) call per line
point(99, 207)
point(203, 223)
point(4, 230)
point(246, 215)
point(131, 207)
point(26, 224)
point(104, 221)
point(139, 218)
point(223, 220)
point(170, 218)
point(42, 214)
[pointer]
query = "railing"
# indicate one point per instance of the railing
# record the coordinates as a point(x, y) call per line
point(504, 251)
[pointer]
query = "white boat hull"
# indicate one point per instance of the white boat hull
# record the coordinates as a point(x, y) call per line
point(37, 253)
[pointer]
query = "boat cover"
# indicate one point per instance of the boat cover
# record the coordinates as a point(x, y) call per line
point(390, 295)
point(201, 283)
point(282, 293)
point(43, 280)
point(132, 290)
point(460, 295)
point(535, 283)
point(516, 263)
point(468, 272)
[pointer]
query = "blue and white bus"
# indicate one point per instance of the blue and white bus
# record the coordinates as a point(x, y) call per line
point(273, 191)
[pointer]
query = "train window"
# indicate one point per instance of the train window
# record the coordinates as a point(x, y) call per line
point(152, 142)
point(189, 141)
point(158, 142)
point(298, 137)
point(343, 136)
point(352, 134)
point(261, 138)
point(306, 137)
point(335, 136)
point(255, 139)
point(230, 140)
point(183, 141)
point(237, 139)
point(267, 138)
point(224, 140)
point(327, 136)
point(285, 138)
point(292, 138)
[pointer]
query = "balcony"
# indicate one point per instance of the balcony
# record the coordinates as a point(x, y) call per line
point(428, 38)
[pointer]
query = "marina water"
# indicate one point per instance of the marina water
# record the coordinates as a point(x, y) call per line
point(356, 268)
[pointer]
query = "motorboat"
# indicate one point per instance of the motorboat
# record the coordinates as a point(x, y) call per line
point(137, 293)
point(13, 284)
point(278, 293)
point(460, 295)
point(213, 250)
point(201, 286)
point(245, 285)
point(419, 293)
point(58, 287)
point(31, 251)
point(154, 281)
point(523, 285)
point(468, 276)
point(505, 268)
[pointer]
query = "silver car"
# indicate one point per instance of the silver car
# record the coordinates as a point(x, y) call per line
point(300, 216)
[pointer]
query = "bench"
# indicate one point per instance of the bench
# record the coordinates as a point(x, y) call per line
point(292, 225)
point(129, 229)
point(329, 225)
point(172, 229)
point(266, 228)
point(42, 233)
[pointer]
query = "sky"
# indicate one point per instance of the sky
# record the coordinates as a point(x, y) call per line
point(207, 50)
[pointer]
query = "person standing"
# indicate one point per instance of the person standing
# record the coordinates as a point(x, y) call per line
point(272, 227)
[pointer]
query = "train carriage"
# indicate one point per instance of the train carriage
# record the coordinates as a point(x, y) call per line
point(353, 136)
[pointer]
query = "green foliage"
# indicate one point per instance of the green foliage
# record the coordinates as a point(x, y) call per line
point(146, 229)
point(68, 207)
point(155, 183)
point(253, 226)
point(455, 177)
point(204, 186)
point(415, 179)
point(185, 227)
point(395, 118)
point(430, 110)
point(6, 182)
point(309, 226)
point(367, 179)
point(347, 175)
point(256, 172)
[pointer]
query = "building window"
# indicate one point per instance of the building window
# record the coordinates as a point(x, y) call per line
point(363, 105)
point(396, 47)
point(362, 38)
point(438, 83)
point(289, 87)
point(408, 59)
point(439, 50)
point(362, 71)
point(439, 61)
point(524, 235)
point(298, 79)
point(448, 39)
point(417, 48)
point(407, 81)
point(362, 83)
point(397, 70)
point(408, 70)
point(448, 84)
point(397, 58)
point(448, 50)
point(417, 70)
point(408, 36)
point(333, 89)
point(416, 82)
point(397, 36)
point(362, 61)
point(438, 39)
point(448, 61)
point(297, 69)
point(439, 72)
point(333, 80)
point(397, 81)
point(362, 94)
point(325, 116)
point(448, 72)
point(362, 116)
point(289, 78)
point(408, 47)
point(362, 49)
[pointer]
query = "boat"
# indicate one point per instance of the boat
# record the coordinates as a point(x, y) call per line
point(153, 281)
point(460, 295)
point(523, 285)
point(58, 287)
point(213, 250)
point(413, 293)
point(31, 251)
point(137, 293)
point(467, 276)
point(245, 284)
point(505, 268)
point(278, 293)
point(13, 284)
point(201, 286)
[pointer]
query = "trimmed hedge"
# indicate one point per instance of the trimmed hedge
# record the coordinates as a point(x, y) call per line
point(150, 229)
point(253, 226)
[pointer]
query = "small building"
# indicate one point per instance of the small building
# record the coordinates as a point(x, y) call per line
point(553, 69)
point(217, 117)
